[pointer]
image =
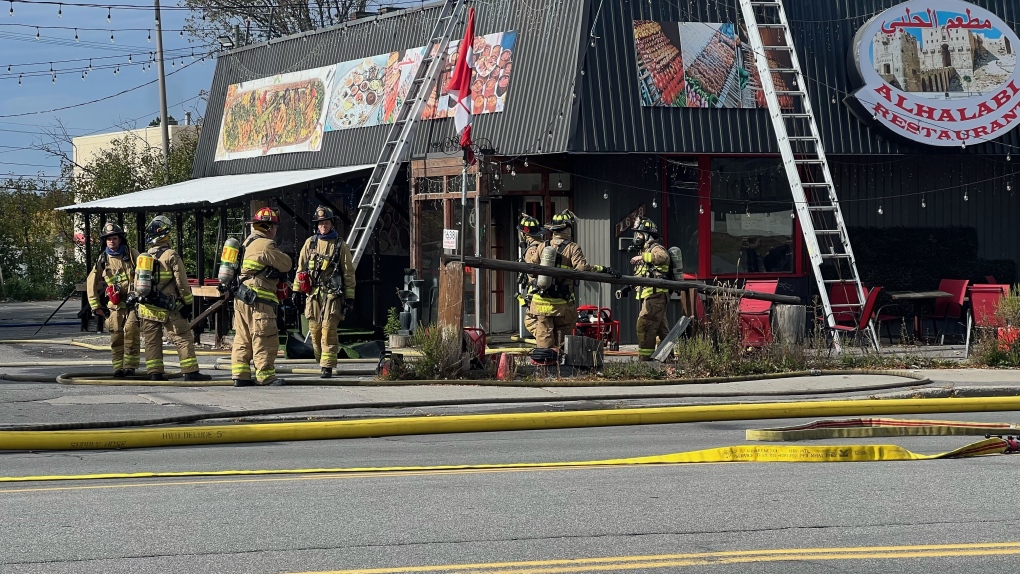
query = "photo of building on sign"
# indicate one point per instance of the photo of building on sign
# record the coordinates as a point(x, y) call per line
point(943, 55)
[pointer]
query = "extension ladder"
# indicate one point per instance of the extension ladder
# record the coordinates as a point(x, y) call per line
point(803, 155)
point(401, 134)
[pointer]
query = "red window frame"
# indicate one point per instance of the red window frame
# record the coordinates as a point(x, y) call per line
point(705, 224)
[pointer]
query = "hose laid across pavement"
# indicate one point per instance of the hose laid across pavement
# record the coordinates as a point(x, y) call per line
point(402, 426)
point(738, 453)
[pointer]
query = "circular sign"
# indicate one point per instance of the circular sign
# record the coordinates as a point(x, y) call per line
point(938, 72)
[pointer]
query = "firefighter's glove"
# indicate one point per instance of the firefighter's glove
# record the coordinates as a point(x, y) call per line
point(522, 300)
point(348, 306)
point(99, 312)
point(608, 271)
point(186, 311)
point(132, 300)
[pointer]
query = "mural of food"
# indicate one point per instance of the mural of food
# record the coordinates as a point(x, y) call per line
point(660, 64)
point(274, 115)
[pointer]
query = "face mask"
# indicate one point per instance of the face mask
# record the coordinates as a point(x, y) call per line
point(639, 239)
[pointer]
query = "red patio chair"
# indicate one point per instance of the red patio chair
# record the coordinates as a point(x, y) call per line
point(755, 315)
point(984, 300)
point(844, 300)
point(867, 315)
point(947, 308)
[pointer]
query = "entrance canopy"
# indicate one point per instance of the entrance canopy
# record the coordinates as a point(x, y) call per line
point(209, 190)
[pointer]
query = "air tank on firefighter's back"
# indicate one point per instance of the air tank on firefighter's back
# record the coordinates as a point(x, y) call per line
point(143, 275)
point(548, 259)
point(228, 260)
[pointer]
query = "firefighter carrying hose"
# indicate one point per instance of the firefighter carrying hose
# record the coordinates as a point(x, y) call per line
point(109, 281)
point(256, 334)
point(554, 303)
point(326, 274)
point(530, 235)
point(164, 299)
point(653, 261)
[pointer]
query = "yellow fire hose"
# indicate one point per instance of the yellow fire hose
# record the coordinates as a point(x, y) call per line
point(878, 427)
point(402, 426)
point(738, 453)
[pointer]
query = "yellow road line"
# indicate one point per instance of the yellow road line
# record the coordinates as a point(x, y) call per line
point(705, 558)
point(737, 453)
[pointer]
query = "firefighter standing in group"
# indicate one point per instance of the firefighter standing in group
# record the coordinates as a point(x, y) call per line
point(164, 299)
point(326, 275)
point(113, 278)
point(256, 334)
point(654, 262)
point(554, 303)
point(531, 235)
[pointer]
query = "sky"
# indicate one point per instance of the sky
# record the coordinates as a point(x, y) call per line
point(31, 59)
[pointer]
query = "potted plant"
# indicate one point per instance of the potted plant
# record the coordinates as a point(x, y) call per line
point(392, 328)
point(1008, 315)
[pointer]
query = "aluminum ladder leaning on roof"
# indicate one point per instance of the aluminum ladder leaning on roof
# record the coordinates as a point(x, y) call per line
point(401, 134)
point(803, 154)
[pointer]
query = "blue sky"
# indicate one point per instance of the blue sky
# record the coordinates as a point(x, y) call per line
point(19, 49)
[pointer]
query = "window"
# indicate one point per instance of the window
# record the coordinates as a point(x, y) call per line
point(680, 209)
point(752, 217)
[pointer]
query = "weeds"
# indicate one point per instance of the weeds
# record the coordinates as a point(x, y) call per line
point(440, 356)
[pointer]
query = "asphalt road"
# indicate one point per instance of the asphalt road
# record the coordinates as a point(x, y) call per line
point(950, 515)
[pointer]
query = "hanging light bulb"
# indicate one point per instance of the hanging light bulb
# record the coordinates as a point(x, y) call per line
point(963, 145)
point(496, 175)
point(83, 76)
point(654, 203)
point(833, 99)
point(19, 79)
point(923, 202)
point(90, 64)
point(54, 79)
point(965, 197)
point(60, 10)
point(129, 58)
point(525, 162)
point(701, 209)
point(513, 172)
point(793, 215)
point(559, 183)
point(111, 37)
point(75, 34)
point(109, 13)
point(37, 33)
point(880, 211)
point(182, 33)
point(605, 195)
point(748, 209)
point(1009, 157)
point(148, 37)
point(1009, 187)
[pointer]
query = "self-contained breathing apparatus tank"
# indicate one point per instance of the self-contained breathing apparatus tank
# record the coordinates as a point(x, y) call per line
point(677, 259)
point(548, 259)
point(143, 275)
point(229, 261)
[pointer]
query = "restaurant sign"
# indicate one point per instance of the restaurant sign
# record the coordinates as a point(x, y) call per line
point(938, 72)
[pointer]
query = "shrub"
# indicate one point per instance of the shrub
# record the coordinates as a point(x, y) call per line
point(440, 355)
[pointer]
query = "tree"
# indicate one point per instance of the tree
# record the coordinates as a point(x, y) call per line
point(170, 121)
point(213, 18)
point(35, 240)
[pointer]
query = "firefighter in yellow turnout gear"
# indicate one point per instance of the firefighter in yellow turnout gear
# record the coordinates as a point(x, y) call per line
point(652, 262)
point(554, 305)
point(161, 308)
point(530, 235)
point(326, 274)
point(256, 335)
point(112, 278)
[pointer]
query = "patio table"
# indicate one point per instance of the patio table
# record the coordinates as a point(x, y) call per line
point(919, 300)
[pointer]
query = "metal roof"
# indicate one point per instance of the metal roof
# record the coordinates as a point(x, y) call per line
point(209, 190)
point(537, 118)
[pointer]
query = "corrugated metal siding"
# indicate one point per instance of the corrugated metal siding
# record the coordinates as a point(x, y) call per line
point(612, 119)
point(899, 184)
point(544, 63)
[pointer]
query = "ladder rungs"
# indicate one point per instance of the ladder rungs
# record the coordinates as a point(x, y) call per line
point(809, 161)
point(814, 185)
point(771, 26)
point(821, 208)
point(778, 48)
point(797, 116)
point(802, 138)
point(791, 93)
point(828, 231)
point(835, 256)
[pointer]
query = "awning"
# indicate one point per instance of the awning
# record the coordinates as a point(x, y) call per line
point(210, 190)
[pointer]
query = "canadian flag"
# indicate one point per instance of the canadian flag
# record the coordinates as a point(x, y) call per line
point(460, 87)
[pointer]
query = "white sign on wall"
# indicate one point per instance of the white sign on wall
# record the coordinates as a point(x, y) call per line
point(938, 72)
point(450, 238)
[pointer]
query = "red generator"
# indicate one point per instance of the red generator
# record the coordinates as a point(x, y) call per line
point(597, 323)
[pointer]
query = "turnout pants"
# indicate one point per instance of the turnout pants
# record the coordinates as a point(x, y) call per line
point(256, 339)
point(124, 338)
point(322, 327)
point(178, 330)
point(651, 323)
point(549, 330)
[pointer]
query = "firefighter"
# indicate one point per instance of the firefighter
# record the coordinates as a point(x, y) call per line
point(166, 305)
point(111, 279)
point(653, 261)
point(555, 306)
point(256, 334)
point(326, 275)
point(531, 235)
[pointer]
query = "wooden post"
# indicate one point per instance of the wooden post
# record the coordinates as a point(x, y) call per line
point(451, 296)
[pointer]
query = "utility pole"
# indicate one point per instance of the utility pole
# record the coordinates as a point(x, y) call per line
point(163, 124)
